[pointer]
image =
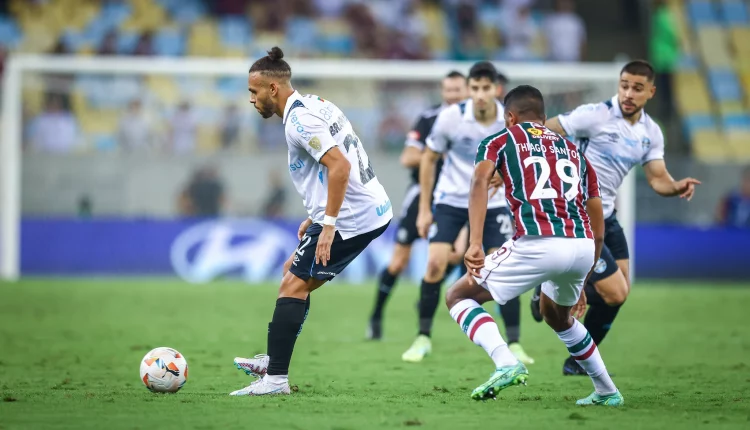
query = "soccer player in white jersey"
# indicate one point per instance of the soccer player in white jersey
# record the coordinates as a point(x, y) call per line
point(453, 90)
point(457, 133)
point(616, 135)
point(346, 204)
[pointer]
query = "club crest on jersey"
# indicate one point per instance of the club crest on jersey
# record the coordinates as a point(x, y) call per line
point(645, 143)
point(314, 143)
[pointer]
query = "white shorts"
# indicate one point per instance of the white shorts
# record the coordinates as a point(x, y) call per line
point(560, 264)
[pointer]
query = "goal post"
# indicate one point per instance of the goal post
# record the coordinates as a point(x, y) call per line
point(549, 77)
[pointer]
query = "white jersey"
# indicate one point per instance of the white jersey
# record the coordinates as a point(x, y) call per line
point(312, 127)
point(458, 134)
point(613, 145)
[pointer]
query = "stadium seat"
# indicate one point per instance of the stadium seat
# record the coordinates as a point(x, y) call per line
point(739, 142)
point(713, 46)
point(302, 35)
point(126, 42)
point(334, 37)
point(710, 146)
point(736, 121)
point(692, 94)
point(234, 32)
point(164, 88)
point(724, 85)
point(681, 23)
point(203, 39)
point(10, 34)
point(739, 38)
point(702, 12)
point(208, 140)
point(730, 108)
point(187, 11)
point(169, 42)
point(734, 12)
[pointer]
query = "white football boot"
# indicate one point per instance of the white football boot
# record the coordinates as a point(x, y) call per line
point(256, 366)
point(264, 387)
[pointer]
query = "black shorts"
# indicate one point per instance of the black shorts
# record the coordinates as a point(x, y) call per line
point(342, 253)
point(615, 248)
point(407, 232)
point(449, 220)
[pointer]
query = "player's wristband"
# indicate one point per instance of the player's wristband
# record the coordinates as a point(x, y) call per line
point(329, 220)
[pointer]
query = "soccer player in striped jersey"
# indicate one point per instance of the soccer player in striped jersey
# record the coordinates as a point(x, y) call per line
point(554, 196)
point(616, 135)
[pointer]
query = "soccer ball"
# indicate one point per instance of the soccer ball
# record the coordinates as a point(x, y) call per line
point(164, 370)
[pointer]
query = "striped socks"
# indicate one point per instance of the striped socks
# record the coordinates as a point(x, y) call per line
point(583, 349)
point(483, 331)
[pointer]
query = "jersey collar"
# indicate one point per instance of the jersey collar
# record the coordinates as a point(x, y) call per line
point(618, 112)
point(469, 111)
point(289, 102)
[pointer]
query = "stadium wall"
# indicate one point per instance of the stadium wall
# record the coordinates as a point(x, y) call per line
point(254, 250)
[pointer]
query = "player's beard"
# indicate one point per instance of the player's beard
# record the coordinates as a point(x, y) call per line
point(635, 112)
point(265, 109)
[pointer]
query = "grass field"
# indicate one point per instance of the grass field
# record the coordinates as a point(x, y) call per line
point(70, 351)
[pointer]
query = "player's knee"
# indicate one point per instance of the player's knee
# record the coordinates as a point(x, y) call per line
point(292, 286)
point(398, 264)
point(616, 297)
point(435, 269)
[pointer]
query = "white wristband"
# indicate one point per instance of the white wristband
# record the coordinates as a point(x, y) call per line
point(329, 220)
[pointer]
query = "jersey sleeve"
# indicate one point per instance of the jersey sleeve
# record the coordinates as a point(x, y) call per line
point(491, 147)
point(418, 134)
point(310, 133)
point(584, 120)
point(589, 180)
point(656, 146)
point(440, 134)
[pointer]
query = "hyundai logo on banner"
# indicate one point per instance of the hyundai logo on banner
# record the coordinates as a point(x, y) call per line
point(255, 248)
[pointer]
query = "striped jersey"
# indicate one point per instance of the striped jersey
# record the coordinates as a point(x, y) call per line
point(547, 180)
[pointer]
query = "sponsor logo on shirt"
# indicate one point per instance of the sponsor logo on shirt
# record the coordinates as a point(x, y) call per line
point(542, 134)
point(296, 165)
point(384, 208)
point(298, 126)
point(337, 126)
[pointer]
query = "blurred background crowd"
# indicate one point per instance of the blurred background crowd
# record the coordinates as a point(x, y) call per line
point(98, 123)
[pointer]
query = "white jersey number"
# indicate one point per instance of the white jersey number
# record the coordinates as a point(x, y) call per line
point(365, 173)
point(541, 191)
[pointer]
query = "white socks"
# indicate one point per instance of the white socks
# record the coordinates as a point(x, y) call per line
point(277, 379)
point(584, 350)
point(483, 331)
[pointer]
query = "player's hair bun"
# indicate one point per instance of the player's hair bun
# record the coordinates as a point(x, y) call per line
point(275, 53)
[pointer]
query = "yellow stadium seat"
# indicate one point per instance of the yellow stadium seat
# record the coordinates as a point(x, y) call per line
point(745, 83)
point(683, 30)
point(692, 93)
point(78, 102)
point(203, 40)
point(730, 107)
point(233, 53)
point(208, 139)
point(713, 46)
point(739, 37)
point(102, 121)
point(164, 88)
point(739, 142)
point(710, 146)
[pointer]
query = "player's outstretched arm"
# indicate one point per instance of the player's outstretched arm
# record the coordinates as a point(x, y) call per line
point(554, 125)
point(662, 182)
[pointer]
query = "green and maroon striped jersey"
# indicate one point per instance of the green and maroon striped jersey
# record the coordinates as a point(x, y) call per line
point(547, 180)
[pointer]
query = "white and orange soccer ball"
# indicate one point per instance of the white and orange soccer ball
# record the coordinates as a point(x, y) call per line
point(164, 370)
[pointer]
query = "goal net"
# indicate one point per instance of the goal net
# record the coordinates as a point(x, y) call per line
point(118, 137)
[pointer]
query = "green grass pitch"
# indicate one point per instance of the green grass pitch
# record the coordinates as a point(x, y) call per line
point(70, 351)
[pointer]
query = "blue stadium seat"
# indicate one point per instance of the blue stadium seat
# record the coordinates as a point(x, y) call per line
point(126, 42)
point(339, 44)
point(702, 12)
point(188, 11)
point(694, 123)
point(115, 12)
point(229, 88)
point(234, 32)
point(736, 121)
point(10, 34)
point(687, 62)
point(104, 142)
point(734, 12)
point(724, 85)
point(301, 33)
point(169, 43)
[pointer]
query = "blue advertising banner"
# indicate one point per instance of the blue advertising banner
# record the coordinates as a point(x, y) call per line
point(254, 250)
